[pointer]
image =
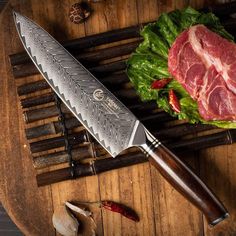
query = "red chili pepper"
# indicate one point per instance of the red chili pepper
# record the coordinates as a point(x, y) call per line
point(173, 101)
point(160, 83)
point(120, 208)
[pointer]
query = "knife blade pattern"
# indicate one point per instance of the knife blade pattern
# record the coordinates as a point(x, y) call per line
point(104, 116)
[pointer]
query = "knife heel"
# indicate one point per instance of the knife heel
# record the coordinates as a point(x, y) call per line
point(184, 180)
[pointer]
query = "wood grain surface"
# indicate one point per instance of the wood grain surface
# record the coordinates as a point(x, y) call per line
point(162, 210)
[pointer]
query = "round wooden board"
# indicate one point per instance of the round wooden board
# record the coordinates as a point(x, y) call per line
point(161, 209)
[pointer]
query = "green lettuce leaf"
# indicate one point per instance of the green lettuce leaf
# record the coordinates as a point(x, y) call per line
point(150, 61)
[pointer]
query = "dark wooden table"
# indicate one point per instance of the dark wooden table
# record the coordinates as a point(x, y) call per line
point(162, 210)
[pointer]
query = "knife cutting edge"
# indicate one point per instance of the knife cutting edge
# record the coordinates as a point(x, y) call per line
point(107, 119)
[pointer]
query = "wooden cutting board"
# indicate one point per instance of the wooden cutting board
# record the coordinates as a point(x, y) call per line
point(162, 210)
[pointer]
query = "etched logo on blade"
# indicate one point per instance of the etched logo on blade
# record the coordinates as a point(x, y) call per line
point(98, 95)
point(108, 104)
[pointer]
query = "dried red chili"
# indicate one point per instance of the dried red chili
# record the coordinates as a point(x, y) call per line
point(160, 83)
point(173, 101)
point(120, 208)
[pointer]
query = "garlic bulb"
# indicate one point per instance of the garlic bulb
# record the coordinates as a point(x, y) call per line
point(64, 222)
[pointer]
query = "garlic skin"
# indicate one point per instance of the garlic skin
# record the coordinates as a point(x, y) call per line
point(85, 219)
point(78, 209)
point(64, 222)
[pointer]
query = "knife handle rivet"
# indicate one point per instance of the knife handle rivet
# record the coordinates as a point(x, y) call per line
point(155, 143)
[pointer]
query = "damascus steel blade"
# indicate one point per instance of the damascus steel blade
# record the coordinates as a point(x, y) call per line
point(99, 111)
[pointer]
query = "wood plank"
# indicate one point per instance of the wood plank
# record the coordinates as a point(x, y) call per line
point(218, 171)
point(85, 189)
point(161, 209)
point(122, 185)
point(15, 158)
point(164, 196)
point(148, 10)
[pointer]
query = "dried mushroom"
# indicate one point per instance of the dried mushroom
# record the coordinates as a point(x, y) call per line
point(79, 12)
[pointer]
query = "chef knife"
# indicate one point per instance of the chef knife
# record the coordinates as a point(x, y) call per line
point(107, 119)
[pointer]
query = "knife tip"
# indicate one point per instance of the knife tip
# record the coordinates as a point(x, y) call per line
point(15, 14)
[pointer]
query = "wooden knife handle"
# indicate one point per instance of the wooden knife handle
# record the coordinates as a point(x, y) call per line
point(186, 182)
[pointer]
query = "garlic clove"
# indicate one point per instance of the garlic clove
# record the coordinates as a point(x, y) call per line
point(64, 222)
point(78, 209)
point(88, 225)
point(85, 218)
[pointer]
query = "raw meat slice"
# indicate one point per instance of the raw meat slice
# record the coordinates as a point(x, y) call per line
point(205, 65)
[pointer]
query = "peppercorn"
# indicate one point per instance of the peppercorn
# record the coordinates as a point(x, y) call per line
point(79, 12)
